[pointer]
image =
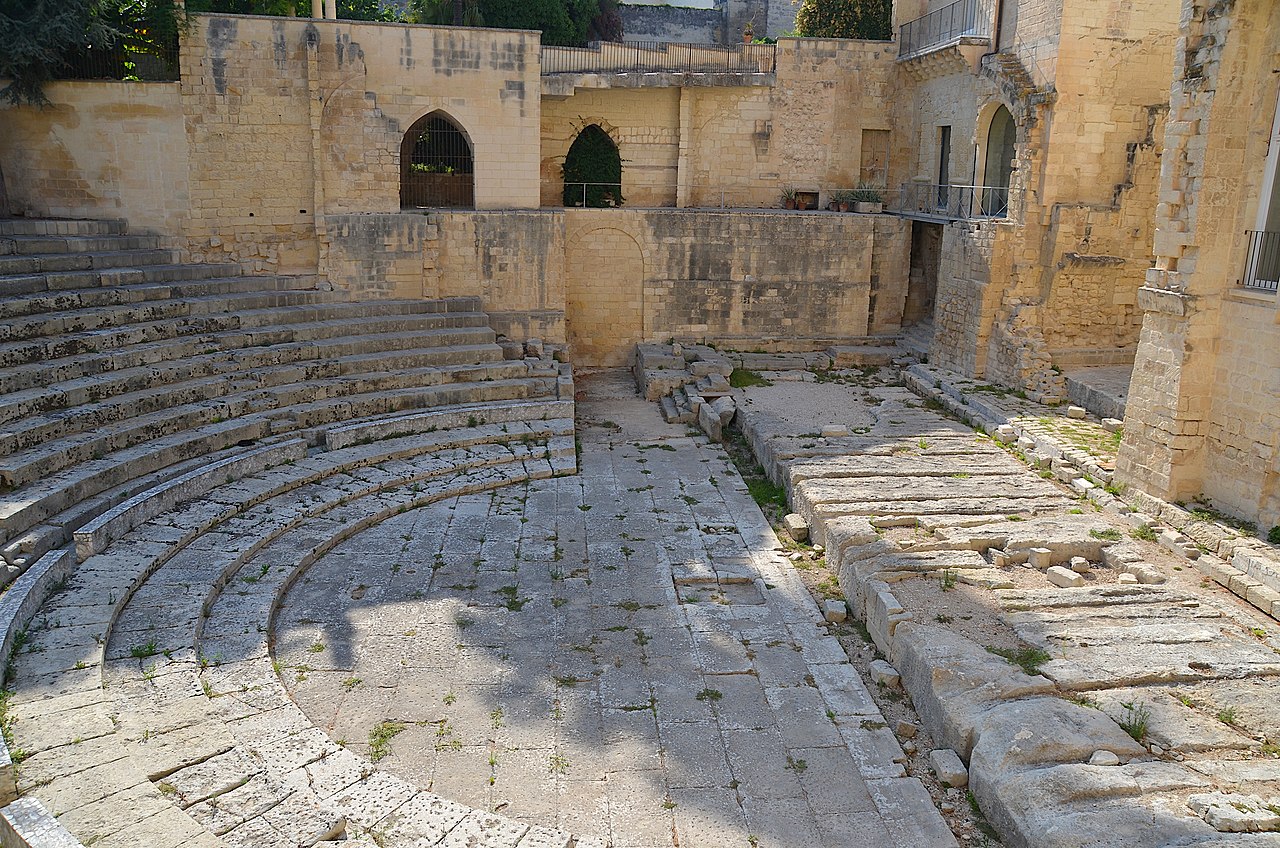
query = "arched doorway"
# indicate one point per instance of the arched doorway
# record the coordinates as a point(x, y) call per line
point(593, 170)
point(436, 165)
point(604, 312)
point(1001, 136)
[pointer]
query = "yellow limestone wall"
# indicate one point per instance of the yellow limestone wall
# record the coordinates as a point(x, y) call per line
point(1203, 415)
point(735, 145)
point(603, 279)
point(100, 150)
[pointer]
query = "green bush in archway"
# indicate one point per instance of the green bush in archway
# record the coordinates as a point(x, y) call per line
point(593, 170)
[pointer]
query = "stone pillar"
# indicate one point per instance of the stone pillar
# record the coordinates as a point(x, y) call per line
point(331, 9)
point(317, 8)
point(686, 139)
point(1167, 412)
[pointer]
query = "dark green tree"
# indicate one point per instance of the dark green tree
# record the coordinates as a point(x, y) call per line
point(871, 19)
point(593, 170)
point(36, 37)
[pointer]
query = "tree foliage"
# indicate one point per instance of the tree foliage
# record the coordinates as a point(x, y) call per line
point(35, 37)
point(593, 170)
point(871, 19)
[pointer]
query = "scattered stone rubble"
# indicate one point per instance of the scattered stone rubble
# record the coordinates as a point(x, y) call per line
point(1146, 690)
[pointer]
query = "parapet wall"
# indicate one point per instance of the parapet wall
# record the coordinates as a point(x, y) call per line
point(604, 279)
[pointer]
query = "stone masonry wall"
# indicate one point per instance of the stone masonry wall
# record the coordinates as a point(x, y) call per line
point(736, 145)
point(295, 119)
point(99, 150)
point(1200, 417)
point(604, 279)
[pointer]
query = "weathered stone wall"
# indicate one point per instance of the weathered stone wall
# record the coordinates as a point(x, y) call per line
point(606, 279)
point(965, 301)
point(671, 23)
point(100, 150)
point(1201, 412)
point(736, 145)
point(294, 119)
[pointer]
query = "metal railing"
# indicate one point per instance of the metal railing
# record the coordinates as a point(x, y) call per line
point(651, 195)
point(645, 57)
point(1262, 261)
point(952, 202)
point(122, 61)
point(963, 19)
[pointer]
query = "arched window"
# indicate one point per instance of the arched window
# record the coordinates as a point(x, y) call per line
point(1001, 135)
point(593, 170)
point(436, 166)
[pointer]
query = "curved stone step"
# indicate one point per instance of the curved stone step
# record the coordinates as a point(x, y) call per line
point(54, 264)
point(332, 357)
point(100, 794)
point(71, 435)
point(62, 227)
point(79, 319)
point(265, 326)
point(40, 500)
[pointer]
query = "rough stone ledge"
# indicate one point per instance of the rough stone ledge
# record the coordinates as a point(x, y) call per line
point(17, 606)
point(1254, 569)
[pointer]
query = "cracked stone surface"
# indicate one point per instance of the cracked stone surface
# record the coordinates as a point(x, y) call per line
point(623, 654)
point(929, 526)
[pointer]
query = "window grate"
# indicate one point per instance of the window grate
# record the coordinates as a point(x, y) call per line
point(437, 167)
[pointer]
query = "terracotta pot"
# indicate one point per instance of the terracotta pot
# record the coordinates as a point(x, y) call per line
point(844, 207)
point(788, 204)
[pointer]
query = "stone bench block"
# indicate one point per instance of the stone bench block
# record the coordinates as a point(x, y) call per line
point(114, 523)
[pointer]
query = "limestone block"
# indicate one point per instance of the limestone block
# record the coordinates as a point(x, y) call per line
point(1041, 558)
point(511, 350)
point(1127, 580)
point(725, 408)
point(947, 766)
point(954, 681)
point(1236, 813)
point(533, 347)
point(1112, 425)
point(1104, 758)
point(1080, 565)
point(1076, 412)
point(834, 431)
point(1005, 434)
point(795, 526)
point(1064, 577)
point(835, 611)
point(906, 729)
point(709, 421)
point(884, 674)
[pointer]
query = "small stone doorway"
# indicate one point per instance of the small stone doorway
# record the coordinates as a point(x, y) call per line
point(922, 288)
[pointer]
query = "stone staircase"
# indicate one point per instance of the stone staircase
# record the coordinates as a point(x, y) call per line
point(119, 367)
point(164, 428)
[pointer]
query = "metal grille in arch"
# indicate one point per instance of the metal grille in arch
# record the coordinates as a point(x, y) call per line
point(436, 165)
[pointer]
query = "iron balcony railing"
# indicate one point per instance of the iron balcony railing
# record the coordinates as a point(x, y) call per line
point(1262, 261)
point(645, 57)
point(945, 26)
point(952, 202)
point(125, 60)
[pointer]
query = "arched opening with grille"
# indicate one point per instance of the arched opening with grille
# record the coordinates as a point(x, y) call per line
point(998, 170)
point(593, 170)
point(436, 165)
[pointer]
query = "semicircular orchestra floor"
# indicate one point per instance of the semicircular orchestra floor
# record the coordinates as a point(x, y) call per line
point(471, 652)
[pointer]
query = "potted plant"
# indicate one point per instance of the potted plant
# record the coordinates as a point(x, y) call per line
point(788, 197)
point(867, 199)
point(749, 32)
point(844, 199)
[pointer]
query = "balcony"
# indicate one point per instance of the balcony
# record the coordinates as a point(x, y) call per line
point(960, 32)
point(1262, 262)
point(643, 64)
point(945, 203)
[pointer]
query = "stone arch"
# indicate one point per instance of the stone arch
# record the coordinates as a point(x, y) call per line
point(997, 136)
point(604, 295)
point(592, 170)
point(437, 164)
